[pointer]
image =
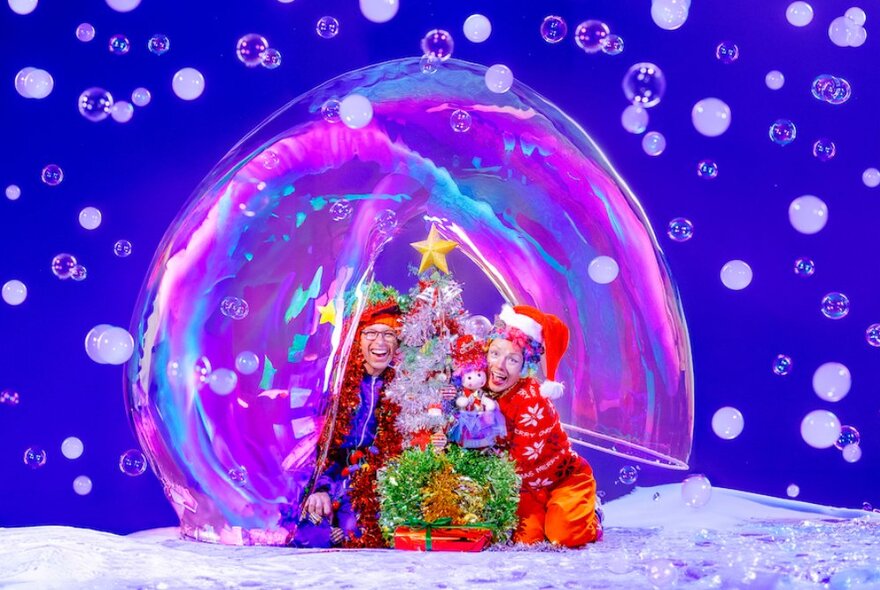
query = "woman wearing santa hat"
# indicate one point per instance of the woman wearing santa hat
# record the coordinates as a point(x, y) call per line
point(558, 497)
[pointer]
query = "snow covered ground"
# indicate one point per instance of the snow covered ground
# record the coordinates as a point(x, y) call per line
point(738, 540)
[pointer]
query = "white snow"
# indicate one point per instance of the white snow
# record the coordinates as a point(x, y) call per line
point(738, 540)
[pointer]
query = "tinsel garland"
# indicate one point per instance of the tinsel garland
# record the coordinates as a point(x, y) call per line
point(409, 487)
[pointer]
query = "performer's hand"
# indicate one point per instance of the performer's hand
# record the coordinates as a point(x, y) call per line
point(319, 504)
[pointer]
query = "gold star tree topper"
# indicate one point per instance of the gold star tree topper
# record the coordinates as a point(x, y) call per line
point(434, 251)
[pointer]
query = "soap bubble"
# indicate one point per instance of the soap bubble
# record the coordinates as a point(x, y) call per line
point(799, 14)
point(72, 447)
point(835, 305)
point(669, 15)
point(782, 132)
point(122, 111)
point(736, 275)
point(824, 149)
point(79, 273)
point(804, 267)
point(612, 45)
point(115, 346)
point(94, 104)
point(848, 436)
point(589, 35)
point(831, 89)
point(429, 64)
point(132, 463)
point(34, 83)
point(634, 119)
point(341, 210)
point(553, 29)
point(119, 45)
point(793, 490)
point(842, 31)
point(808, 214)
point(661, 572)
point(85, 32)
point(9, 397)
point(460, 121)
point(628, 475)
point(871, 177)
point(91, 343)
point(35, 457)
point(327, 27)
point(90, 218)
point(386, 221)
point(355, 111)
point(247, 362)
point(478, 326)
point(832, 381)
point(727, 423)
point(62, 265)
point(330, 111)
point(782, 365)
point(82, 485)
point(189, 83)
point(438, 43)
point(498, 78)
point(234, 307)
point(852, 453)
point(270, 59)
point(820, 429)
point(711, 117)
point(856, 15)
point(222, 381)
point(603, 269)
point(644, 84)
point(13, 192)
point(872, 334)
point(141, 97)
point(52, 175)
point(680, 230)
point(23, 6)
point(379, 11)
point(14, 292)
point(477, 28)
point(696, 490)
point(122, 248)
point(249, 48)
point(123, 5)
point(707, 169)
point(159, 44)
point(727, 52)
point(653, 143)
point(774, 80)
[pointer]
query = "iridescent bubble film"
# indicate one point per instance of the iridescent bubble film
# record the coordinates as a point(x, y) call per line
point(848, 436)
point(612, 44)
point(119, 45)
point(52, 175)
point(680, 229)
point(727, 52)
point(835, 305)
point(782, 132)
point(644, 84)
point(872, 335)
point(122, 248)
point(628, 475)
point(35, 457)
point(270, 59)
point(589, 35)
point(782, 365)
point(553, 29)
point(824, 149)
point(438, 43)
point(527, 195)
point(159, 44)
point(327, 27)
point(132, 463)
point(249, 48)
point(707, 169)
point(804, 267)
point(63, 265)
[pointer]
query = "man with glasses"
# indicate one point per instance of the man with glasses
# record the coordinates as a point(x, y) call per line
point(343, 507)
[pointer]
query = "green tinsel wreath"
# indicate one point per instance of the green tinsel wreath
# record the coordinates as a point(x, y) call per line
point(401, 486)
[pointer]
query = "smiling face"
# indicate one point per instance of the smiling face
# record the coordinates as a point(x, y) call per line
point(378, 352)
point(505, 361)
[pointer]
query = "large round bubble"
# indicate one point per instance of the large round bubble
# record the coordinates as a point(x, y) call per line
point(526, 194)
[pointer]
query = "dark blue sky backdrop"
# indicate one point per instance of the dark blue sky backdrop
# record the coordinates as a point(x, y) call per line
point(139, 175)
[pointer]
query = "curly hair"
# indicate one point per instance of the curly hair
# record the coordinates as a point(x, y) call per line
point(531, 348)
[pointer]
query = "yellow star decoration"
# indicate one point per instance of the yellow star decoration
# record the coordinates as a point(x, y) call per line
point(434, 251)
point(328, 314)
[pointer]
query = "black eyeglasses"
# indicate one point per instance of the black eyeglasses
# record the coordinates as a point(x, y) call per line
point(373, 334)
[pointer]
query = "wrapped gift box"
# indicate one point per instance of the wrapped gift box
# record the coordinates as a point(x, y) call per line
point(442, 538)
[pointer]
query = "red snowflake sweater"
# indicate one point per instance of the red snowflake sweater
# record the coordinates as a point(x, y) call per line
point(535, 438)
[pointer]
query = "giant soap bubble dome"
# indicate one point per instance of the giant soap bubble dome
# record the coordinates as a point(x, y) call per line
point(235, 372)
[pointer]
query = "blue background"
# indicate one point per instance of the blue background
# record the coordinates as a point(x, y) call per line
point(139, 174)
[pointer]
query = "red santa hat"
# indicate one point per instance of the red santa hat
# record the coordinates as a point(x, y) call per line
point(546, 329)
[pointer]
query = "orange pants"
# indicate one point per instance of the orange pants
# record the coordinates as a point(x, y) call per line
point(564, 514)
